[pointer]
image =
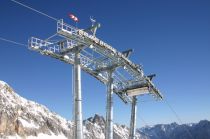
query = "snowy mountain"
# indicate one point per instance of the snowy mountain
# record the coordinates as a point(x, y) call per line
point(200, 130)
point(24, 119)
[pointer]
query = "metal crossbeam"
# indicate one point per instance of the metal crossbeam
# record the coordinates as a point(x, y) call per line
point(69, 38)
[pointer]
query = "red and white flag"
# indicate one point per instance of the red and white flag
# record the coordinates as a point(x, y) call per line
point(73, 17)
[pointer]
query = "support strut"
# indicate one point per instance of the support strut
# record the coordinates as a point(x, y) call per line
point(133, 118)
point(78, 130)
point(109, 108)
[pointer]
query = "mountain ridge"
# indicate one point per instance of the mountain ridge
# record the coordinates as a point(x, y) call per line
point(24, 119)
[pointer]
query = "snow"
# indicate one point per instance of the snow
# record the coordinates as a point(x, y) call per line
point(22, 107)
point(121, 131)
point(2, 84)
point(28, 124)
point(190, 124)
point(14, 100)
point(93, 130)
point(163, 128)
point(40, 136)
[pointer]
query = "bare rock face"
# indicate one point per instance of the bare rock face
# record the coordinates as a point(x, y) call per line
point(22, 117)
point(95, 127)
point(97, 119)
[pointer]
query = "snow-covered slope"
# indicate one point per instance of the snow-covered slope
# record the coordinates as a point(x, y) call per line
point(23, 118)
point(96, 125)
point(200, 130)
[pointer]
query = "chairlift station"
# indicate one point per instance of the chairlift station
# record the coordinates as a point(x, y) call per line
point(85, 51)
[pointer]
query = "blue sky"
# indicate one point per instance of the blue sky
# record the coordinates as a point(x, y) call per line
point(169, 38)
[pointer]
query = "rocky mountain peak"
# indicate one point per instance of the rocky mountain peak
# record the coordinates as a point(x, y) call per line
point(21, 117)
point(2, 83)
point(97, 119)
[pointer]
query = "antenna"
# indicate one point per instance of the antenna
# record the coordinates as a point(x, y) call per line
point(94, 26)
point(93, 21)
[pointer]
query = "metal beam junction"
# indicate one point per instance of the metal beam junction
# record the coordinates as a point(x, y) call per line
point(97, 58)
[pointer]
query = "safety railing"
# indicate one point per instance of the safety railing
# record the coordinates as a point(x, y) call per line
point(42, 45)
point(61, 26)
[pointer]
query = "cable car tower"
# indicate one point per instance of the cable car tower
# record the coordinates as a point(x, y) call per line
point(85, 51)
